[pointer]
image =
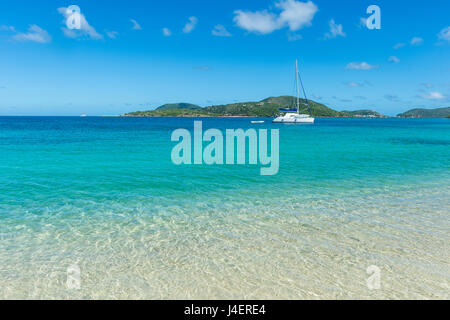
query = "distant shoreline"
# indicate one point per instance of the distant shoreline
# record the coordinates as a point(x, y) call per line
point(193, 116)
point(270, 107)
point(265, 117)
point(210, 116)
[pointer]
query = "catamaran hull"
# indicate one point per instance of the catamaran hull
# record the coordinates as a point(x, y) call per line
point(285, 120)
point(293, 115)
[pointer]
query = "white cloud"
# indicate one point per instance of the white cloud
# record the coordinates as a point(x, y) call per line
point(399, 45)
point(335, 30)
point(393, 59)
point(35, 34)
point(190, 25)
point(262, 22)
point(136, 25)
point(85, 28)
point(112, 34)
point(294, 14)
point(360, 66)
point(353, 84)
point(166, 32)
point(220, 31)
point(416, 41)
point(444, 34)
point(433, 96)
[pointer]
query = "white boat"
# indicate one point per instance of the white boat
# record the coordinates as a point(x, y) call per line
point(257, 121)
point(296, 117)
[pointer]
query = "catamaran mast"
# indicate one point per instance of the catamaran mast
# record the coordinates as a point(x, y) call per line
point(304, 93)
point(296, 81)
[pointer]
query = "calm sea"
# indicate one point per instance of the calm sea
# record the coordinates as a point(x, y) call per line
point(102, 195)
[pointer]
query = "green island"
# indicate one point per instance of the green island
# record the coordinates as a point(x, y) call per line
point(265, 108)
point(426, 113)
point(270, 108)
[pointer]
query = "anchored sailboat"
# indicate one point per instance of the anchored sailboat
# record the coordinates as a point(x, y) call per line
point(293, 115)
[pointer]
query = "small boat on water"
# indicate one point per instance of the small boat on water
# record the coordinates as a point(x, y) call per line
point(293, 115)
point(257, 121)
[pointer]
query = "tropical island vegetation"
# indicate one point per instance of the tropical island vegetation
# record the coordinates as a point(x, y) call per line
point(269, 107)
point(265, 108)
point(426, 113)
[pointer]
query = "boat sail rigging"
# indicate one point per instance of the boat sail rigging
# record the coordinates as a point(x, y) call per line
point(290, 116)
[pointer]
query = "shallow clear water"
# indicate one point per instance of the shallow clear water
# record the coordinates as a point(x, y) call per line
point(103, 194)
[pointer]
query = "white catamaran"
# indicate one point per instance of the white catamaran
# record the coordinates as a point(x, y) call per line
point(293, 115)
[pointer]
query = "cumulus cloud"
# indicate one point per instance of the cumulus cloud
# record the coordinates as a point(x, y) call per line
point(296, 14)
point(434, 95)
point(190, 25)
point(399, 45)
point(393, 59)
point(220, 31)
point(336, 30)
point(86, 30)
point(136, 25)
point(293, 14)
point(444, 34)
point(262, 22)
point(360, 66)
point(416, 41)
point(34, 34)
point(166, 32)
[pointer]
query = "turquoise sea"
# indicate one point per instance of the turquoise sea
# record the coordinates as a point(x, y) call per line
point(102, 194)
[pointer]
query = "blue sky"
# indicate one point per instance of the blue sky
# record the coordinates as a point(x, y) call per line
point(137, 55)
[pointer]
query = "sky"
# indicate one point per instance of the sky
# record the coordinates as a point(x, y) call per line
point(133, 55)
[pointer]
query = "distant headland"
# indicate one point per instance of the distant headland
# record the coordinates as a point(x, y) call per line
point(426, 113)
